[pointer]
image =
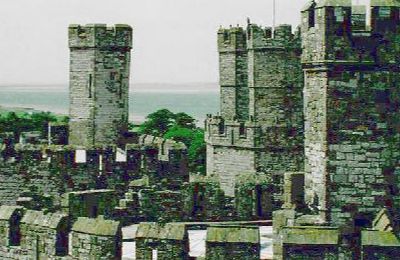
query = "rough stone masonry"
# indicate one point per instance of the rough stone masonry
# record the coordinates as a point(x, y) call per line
point(99, 83)
point(260, 127)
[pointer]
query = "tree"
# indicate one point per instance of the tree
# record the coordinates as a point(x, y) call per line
point(158, 123)
point(23, 122)
point(179, 127)
point(185, 121)
point(197, 152)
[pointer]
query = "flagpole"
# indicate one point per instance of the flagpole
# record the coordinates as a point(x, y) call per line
point(273, 16)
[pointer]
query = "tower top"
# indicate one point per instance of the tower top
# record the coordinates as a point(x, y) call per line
point(100, 36)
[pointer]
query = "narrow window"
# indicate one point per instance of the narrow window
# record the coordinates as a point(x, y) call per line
point(221, 128)
point(226, 36)
point(242, 129)
point(311, 18)
point(112, 75)
point(90, 86)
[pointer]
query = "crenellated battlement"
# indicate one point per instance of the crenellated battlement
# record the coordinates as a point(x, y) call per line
point(100, 36)
point(98, 156)
point(232, 132)
point(232, 39)
point(262, 37)
point(236, 39)
point(337, 31)
point(53, 169)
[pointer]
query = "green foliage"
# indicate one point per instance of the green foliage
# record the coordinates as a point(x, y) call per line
point(158, 123)
point(179, 127)
point(22, 122)
point(184, 120)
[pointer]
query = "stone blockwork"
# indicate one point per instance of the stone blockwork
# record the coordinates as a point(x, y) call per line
point(261, 124)
point(352, 137)
point(96, 238)
point(89, 203)
point(230, 242)
point(351, 99)
point(254, 197)
point(99, 83)
point(47, 171)
point(31, 234)
point(205, 200)
point(170, 241)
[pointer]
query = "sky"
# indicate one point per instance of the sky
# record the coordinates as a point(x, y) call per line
point(174, 41)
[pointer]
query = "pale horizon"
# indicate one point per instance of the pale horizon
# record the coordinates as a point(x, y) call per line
point(174, 42)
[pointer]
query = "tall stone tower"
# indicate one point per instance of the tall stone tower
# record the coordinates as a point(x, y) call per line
point(99, 83)
point(260, 127)
point(234, 101)
point(352, 108)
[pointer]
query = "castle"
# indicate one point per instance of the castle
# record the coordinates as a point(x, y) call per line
point(308, 136)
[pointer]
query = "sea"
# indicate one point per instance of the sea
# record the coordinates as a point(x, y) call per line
point(197, 100)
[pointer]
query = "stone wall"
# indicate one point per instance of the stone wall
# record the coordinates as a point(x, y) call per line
point(44, 234)
point(33, 234)
point(51, 170)
point(99, 83)
point(204, 200)
point(170, 241)
point(254, 197)
point(234, 94)
point(90, 203)
point(228, 163)
point(351, 110)
point(237, 243)
point(96, 239)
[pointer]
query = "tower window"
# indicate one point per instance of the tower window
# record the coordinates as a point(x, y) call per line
point(113, 75)
point(221, 127)
point(226, 36)
point(90, 86)
point(242, 129)
point(311, 18)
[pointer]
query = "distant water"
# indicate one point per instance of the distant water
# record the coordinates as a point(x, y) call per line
point(197, 103)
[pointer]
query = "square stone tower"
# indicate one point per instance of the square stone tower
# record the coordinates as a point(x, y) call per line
point(260, 127)
point(352, 108)
point(99, 83)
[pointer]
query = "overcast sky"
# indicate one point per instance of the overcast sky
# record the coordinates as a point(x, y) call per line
point(174, 40)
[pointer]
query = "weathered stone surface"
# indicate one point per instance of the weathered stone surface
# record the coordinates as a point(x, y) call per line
point(233, 243)
point(99, 83)
point(96, 239)
point(261, 123)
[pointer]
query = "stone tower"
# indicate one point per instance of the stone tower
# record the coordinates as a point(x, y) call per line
point(234, 103)
point(99, 83)
point(352, 103)
point(260, 126)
